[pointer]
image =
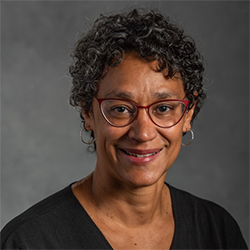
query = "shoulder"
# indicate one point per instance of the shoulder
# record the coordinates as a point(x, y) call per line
point(57, 222)
point(194, 203)
point(40, 217)
point(211, 224)
point(190, 206)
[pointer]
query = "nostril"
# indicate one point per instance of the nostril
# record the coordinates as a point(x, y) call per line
point(142, 130)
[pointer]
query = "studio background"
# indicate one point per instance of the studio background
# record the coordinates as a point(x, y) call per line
point(41, 151)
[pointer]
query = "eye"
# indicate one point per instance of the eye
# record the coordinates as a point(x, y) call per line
point(162, 108)
point(120, 109)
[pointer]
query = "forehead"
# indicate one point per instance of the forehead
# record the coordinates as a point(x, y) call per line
point(137, 79)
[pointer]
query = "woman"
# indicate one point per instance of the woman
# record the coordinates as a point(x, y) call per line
point(137, 79)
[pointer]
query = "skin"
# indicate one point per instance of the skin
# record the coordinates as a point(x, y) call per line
point(126, 196)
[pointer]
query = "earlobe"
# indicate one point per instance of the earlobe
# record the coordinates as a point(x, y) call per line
point(188, 119)
point(88, 118)
point(186, 128)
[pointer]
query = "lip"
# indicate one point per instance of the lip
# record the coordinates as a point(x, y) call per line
point(140, 156)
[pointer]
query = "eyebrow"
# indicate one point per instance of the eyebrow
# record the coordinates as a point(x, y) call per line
point(130, 96)
point(119, 94)
point(164, 95)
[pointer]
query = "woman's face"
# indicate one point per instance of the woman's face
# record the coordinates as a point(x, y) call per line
point(140, 153)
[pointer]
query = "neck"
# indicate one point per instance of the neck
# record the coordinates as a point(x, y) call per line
point(131, 206)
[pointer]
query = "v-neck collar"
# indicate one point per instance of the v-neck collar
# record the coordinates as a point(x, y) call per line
point(102, 239)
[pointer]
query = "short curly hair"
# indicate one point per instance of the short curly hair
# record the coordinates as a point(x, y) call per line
point(148, 33)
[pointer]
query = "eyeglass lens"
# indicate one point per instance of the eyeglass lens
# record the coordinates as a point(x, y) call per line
point(121, 113)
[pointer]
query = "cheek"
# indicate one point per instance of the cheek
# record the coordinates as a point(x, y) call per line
point(173, 138)
point(108, 136)
point(106, 144)
point(173, 135)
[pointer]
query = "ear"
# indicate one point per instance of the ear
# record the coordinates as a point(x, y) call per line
point(89, 121)
point(187, 120)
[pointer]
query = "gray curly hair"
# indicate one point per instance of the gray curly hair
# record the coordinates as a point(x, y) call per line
point(148, 33)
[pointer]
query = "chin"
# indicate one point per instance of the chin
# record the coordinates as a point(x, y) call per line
point(143, 179)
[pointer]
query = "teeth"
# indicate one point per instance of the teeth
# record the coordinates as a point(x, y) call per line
point(140, 156)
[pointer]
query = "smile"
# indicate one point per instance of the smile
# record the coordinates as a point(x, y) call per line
point(140, 154)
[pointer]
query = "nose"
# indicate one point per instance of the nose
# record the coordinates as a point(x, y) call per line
point(142, 129)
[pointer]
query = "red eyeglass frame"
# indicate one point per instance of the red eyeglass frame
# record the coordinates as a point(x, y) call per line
point(100, 100)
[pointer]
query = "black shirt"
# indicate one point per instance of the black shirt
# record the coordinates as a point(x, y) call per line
point(60, 222)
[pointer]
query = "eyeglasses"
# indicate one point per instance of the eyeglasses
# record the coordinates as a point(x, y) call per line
point(120, 113)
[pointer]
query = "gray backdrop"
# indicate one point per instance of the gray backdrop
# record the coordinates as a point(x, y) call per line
point(41, 149)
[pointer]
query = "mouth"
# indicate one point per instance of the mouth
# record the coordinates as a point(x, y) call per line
point(141, 153)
